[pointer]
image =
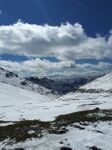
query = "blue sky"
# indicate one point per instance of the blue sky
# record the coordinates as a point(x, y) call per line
point(94, 15)
point(93, 18)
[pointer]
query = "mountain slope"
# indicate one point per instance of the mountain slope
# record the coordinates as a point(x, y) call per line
point(17, 103)
point(94, 94)
point(48, 109)
point(13, 79)
point(84, 118)
point(103, 83)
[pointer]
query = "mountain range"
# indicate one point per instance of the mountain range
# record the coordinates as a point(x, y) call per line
point(47, 114)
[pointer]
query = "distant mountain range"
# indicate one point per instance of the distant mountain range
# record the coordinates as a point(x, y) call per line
point(45, 85)
point(62, 86)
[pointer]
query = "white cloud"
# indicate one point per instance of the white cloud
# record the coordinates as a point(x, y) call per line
point(66, 42)
point(38, 67)
point(26, 39)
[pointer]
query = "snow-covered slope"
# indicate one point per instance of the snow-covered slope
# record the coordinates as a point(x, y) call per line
point(31, 106)
point(94, 94)
point(17, 103)
point(103, 83)
point(13, 79)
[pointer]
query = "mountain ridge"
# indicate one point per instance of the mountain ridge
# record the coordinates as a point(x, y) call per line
point(13, 79)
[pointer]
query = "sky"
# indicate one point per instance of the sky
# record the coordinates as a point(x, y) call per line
point(56, 37)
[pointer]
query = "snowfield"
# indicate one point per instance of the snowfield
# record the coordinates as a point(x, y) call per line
point(18, 104)
point(102, 83)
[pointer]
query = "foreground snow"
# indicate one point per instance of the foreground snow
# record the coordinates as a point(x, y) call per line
point(97, 134)
point(18, 104)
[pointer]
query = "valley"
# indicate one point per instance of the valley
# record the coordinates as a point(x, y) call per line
point(34, 117)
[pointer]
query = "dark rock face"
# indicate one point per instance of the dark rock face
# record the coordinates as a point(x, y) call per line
point(18, 149)
point(24, 83)
point(66, 148)
point(94, 148)
point(11, 74)
point(8, 74)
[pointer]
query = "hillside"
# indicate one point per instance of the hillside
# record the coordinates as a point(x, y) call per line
point(13, 79)
point(79, 120)
point(103, 83)
point(44, 109)
point(17, 103)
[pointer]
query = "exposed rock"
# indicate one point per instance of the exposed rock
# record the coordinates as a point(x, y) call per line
point(19, 149)
point(94, 148)
point(66, 148)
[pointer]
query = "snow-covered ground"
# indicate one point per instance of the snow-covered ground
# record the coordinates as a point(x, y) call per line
point(94, 135)
point(102, 83)
point(17, 104)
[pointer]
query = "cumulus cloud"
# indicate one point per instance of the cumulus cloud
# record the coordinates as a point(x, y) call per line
point(40, 68)
point(35, 40)
point(37, 66)
point(66, 42)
